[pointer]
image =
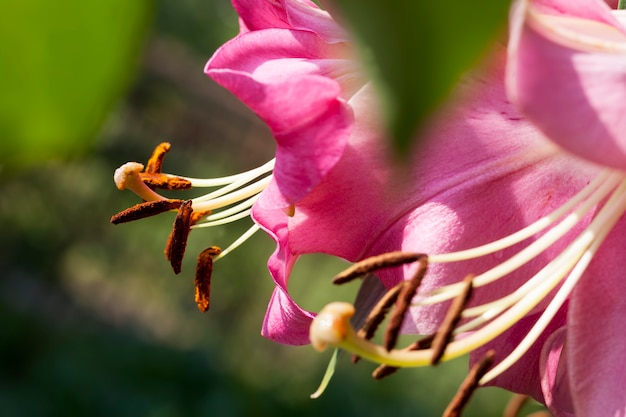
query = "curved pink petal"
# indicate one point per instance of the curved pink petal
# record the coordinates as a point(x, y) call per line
point(305, 15)
point(261, 14)
point(567, 74)
point(272, 71)
point(288, 14)
point(555, 382)
point(285, 321)
point(596, 340)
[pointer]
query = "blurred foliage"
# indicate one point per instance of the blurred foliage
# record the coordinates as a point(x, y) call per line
point(416, 52)
point(93, 320)
point(64, 65)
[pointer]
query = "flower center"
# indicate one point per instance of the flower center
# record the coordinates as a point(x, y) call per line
point(231, 200)
point(469, 328)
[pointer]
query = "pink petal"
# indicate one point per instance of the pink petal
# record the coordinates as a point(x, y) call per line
point(272, 71)
point(596, 340)
point(555, 379)
point(303, 16)
point(571, 87)
point(261, 14)
point(288, 14)
point(285, 321)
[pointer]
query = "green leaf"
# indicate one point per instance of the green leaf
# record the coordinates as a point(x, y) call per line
point(63, 66)
point(416, 50)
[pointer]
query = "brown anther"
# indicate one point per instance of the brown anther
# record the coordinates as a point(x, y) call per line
point(197, 215)
point(378, 313)
point(444, 334)
point(145, 209)
point(165, 182)
point(373, 263)
point(177, 241)
point(155, 163)
point(469, 385)
point(403, 303)
point(385, 370)
point(204, 270)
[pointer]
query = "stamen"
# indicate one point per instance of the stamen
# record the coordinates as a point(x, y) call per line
point(224, 197)
point(444, 334)
point(230, 179)
point(330, 370)
point(583, 250)
point(374, 263)
point(229, 215)
point(403, 302)
point(468, 386)
point(573, 261)
point(237, 195)
point(378, 313)
point(145, 209)
point(177, 241)
point(384, 370)
point(525, 255)
point(204, 270)
point(155, 163)
point(252, 230)
point(599, 187)
point(165, 182)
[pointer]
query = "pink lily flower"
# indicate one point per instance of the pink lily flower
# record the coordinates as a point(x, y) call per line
point(485, 173)
point(504, 186)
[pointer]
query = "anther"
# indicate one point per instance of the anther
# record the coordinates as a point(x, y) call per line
point(383, 370)
point(403, 302)
point(177, 241)
point(469, 385)
point(373, 263)
point(165, 182)
point(145, 209)
point(204, 270)
point(155, 163)
point(378, 313)
point(444, 334)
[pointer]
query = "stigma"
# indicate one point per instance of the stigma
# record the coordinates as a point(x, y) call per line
point(467, 328)
point(229, 199)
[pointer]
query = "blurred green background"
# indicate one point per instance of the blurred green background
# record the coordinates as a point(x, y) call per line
point(93, 321)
